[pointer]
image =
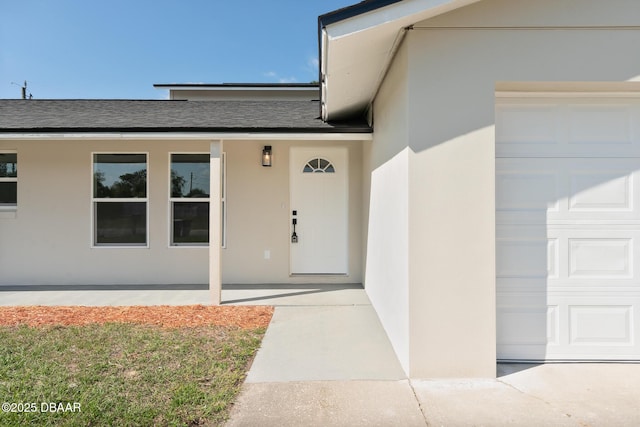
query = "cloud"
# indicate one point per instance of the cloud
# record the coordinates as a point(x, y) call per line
point(272, 75)
point(308, 72)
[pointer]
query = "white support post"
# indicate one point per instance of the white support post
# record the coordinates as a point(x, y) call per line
point(215, 223)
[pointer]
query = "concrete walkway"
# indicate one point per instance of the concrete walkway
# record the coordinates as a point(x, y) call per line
point(324, 361)
point(320, 333)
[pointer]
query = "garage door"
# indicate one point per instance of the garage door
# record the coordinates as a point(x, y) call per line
point(568, 228)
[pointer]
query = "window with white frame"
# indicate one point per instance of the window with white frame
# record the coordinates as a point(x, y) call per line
point(189, 199)
point(120, 199)
point(8, 180)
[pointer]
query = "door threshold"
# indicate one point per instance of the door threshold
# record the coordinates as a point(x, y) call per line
point(318, 274)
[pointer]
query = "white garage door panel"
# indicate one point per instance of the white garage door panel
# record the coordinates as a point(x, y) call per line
point(601, 257)
point(601, 324)
point(567, 327)
point(568, 229)
point(567, 127)
point(528, 257)
point(527, 326)
point(567, 190)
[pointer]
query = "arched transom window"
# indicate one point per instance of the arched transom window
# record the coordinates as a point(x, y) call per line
point(318, 165)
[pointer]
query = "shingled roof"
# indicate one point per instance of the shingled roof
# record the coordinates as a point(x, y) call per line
point(51, 116)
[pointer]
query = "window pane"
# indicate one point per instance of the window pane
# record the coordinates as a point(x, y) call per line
point(8, 165)
point(190, 222)
point(8, 193)
point(190, 175)
point(120, 175)
point(318, 166)
point(121, 223)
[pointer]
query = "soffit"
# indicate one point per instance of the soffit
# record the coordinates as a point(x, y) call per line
point(356, 51)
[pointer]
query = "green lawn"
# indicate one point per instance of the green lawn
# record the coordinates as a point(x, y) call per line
point(122, 374)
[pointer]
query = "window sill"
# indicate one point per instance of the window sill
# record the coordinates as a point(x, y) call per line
point(8, 213)
point(118, 246)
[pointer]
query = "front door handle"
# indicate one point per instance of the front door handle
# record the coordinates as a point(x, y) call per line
point(294, 235)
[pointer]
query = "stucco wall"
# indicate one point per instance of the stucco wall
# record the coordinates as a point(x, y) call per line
point(387, 177)
point(454, 63)
point(49, 240)
point(540, 13)
point(259, 214)
point(452, 173)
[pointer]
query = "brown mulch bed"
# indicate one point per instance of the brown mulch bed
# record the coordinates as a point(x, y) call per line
point(245, 317)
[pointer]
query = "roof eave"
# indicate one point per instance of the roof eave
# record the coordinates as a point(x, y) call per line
point(113, 134)
point(354, 10)
point(362, 40)
point(324, 130)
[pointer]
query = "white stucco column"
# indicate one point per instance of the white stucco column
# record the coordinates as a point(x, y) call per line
point(215, 223)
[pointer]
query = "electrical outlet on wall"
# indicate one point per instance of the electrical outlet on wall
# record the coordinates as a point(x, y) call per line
point(267, 254)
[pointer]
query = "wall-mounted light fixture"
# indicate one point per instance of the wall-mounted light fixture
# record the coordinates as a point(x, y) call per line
point(266, 156)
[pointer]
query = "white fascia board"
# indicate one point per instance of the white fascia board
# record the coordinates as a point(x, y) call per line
point(400, 14)
point(365, 136)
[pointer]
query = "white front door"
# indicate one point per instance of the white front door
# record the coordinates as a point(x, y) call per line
point(319, 206)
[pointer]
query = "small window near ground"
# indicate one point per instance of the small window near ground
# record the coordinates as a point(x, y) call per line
point(120, 199)
point(8, 180)
point(189, 198)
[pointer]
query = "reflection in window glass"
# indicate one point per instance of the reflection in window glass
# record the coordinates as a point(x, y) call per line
point(190, 222)
point(120, 175)
point(190, 175)
point(119, 196)
point(8, 165)
point(121, 223)
point(8, 180)
point(190, 180)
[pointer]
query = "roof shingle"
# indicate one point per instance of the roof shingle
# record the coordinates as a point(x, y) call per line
point(18, 116)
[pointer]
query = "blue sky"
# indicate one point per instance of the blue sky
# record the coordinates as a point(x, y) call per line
point(120, 48)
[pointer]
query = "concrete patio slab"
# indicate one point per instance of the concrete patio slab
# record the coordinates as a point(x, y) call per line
point(597, 394)
point(107, 297)
point(327, 403)
point(576, 394)
point(261, 294)
point(325, 343)
point(484, 403)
